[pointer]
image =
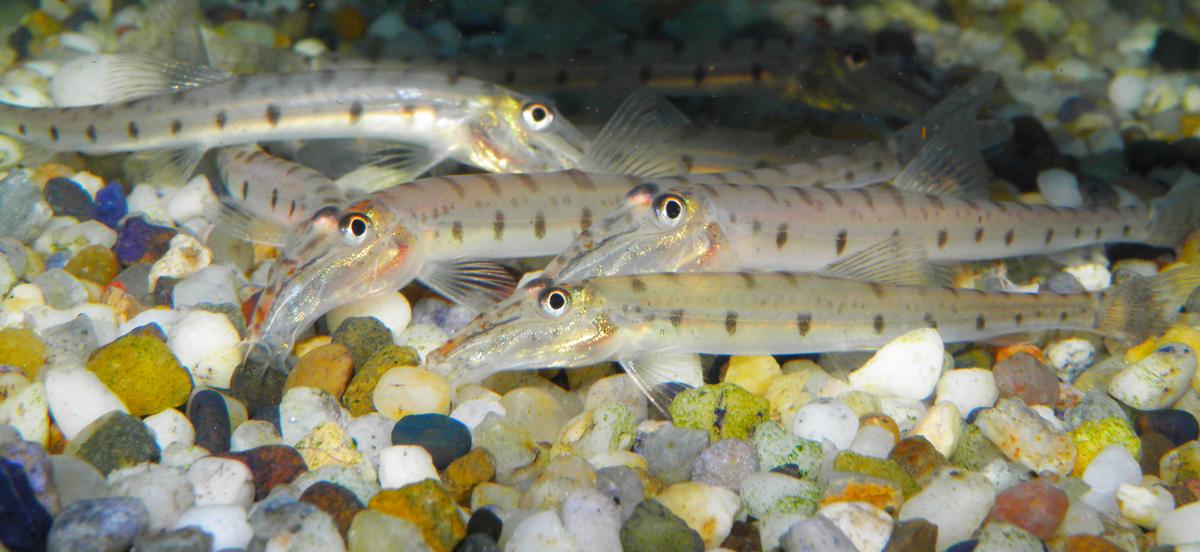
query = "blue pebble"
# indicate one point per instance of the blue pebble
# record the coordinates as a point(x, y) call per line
point(57, 260)
point(445, 438)
point(964, 546)
point(24, 522)
point(110, 205)
point(131, 243)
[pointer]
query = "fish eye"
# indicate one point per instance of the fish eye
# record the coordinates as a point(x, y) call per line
point(668, 209)
point(354, 227)
point(555, 301)
point(855, 58)
point(538, 116)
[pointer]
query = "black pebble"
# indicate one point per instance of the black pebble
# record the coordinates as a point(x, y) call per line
point(1029, 151)
point(1175, 52)
point(210, 417)
point(24, 522)
point(964, 546)
point(477, 542)
point(164, 290)
point(1177, 425)
point(67, 198)
point(445, 438)
point(19, 40)
point(1143, 155)
point(485, 521)
point(1031, 44)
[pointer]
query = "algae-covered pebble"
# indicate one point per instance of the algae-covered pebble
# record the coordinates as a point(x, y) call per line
point(140, 369)
point(115, 440)
point(327, 367)
point(767, 493)
point(725, 410)
point(886, 469)
point(94, 263)
point(427, 505)
point(1093, 436)
point(363, 336)
point(777, 447)
point(359, 395)
point(1180, 464)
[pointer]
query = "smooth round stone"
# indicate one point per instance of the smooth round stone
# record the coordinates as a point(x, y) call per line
point(623, 486)
point(620, 389)
point(1036, 506)
point(390, 308)
point(816, 534)
point(423, 338)
point(908, 366)
point(208, 344)
point(165, 491)
point(401, 465)
point(538, 411)
point(873, 441)
point(1105, 473)
point(253, 434)
point(485, 521)
point(110, 205)
point(705, 508)
point(472, 412)
point(1180, 527)
point(408, 390)
point(210, 417)
point(541, 531)
point(726, 463)
point(970, 493)
point(60, 289)
point(917, 457)
point(335, 500)
point(271, 466)
point(671, 451)
point(115, 440)
point(328, 367)
point(752, 373)
point(170, 426)
point(78, 398)
point(968, 389)
point(67, 198)
point(1023, 376)
point(1177, 425)
point(187, 539)
point(304, 408)
point(591, 517)
point(94, 263)
point(865, 525)
point(372, 530)
point(212, 285)
point(221, 481)
point(827, 420)
point(1060, 187)
point(1144, 505)
point(363, 336)
point(104, 524)
point(228, 525)
point(477, 542)
point(942, 426)
point(442, 436)
point(1156, 381)
point(654, 527)
point(75, 480)
point(1126, 90)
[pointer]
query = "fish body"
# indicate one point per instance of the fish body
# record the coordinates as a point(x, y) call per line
point(634, 317)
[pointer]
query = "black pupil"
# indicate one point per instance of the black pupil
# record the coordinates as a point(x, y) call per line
point(358, 226)
point(856, 57)
point(538, 114)
point(556, 300)
point(672, 209)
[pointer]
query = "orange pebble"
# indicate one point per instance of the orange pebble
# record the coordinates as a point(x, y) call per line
point(1005, 352)
point(881, 420)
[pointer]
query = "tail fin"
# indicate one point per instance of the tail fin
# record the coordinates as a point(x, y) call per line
point(1176, 213)
point(957, 109)
point(1143, 307)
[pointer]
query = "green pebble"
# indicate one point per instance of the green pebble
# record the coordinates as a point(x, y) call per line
point(113, 441)
point(973, 358)
point(94, 263)
point(363, 336)
point(140, 369)
point(725, 410)
point(778, 447)
point(390, 357)
point(974, 450)
point(886, 469)
point(653, 528)
point(768, 494)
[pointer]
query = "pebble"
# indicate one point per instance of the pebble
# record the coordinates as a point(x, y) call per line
point(942, 426)
point(670, 452)
point(219, 481)
point(114, 440)
point(211, 285)
point(816, 534)
point(338, 502)
point(1026, 437)
point(428, 506)
point(1025, 377)
point(390, 308)
point(94, 263)
point(140, 369)
point(372, 530)
point(171, 426)
point(142, 241)
point(873, 440)
point(1070, 357)
point(328, 367)
point(209, 415)
point(1126, 90)
point(865, 525)
point(402, 465)
point(1156, 381)
point(968, 389)
point(1178, 425)
point(725, 464)
point(998, 536)
point(1144, 505)
point(767, 493)
point(363, 336)
point(827, 420)
point(752, 373)
point(1105, 473)
point(777, 447)
point(271, 465)
point(1036, 506)
point(208, 345)
point(164, 490)
point(23, 212)
point(593, 433)
point(465, 473)
point(27, 412)
point(227, 524)
point(60, 289)
point(26, 521)
point(304, 408)
point(917, 457)
point(110, 205)
point(908, 367)
point(188, 539)
point(654, 527)
point(253, 434)
point(913, 535)
point(593, 521)
point(104, 524)
point(445, 438)
point(619, 389)
point(76, 480)
point(423, 338)
point(509, 443)
point(1060, 187)
point(971, 494)
point(541, 531)
point(22, 348)
point(537, 410)
point(408, 390)
point(1093, 436)
point(68, 199)
point(724, 410)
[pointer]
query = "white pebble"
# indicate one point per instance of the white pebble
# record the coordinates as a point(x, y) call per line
point(970, 493)
point(310, 47)
point(1105, 473)
point(706, 508)
point(942, 426)
point(593, 521)
point(400, 465)
point(191, 200)
point(208, 345)
point(214, 284)
point(185, 255)
point(164, 490)
point(541, 531)
point(77, 398)
point(422, 337)
point(164, 317)
point(908, 366)
point(826, 420)
point(1060, 187)
point(407, 390)
point(303, 408)
point(1070, 357)
point(227, 525)
point(1144, 505)
point(390, 307)
point(873, 441)
point(865, 525)
point(219, 481)
point(1181, 526)
point(618, 388)
point(471, 413)
point(27, 412)
point(968, 389)
point(1126, 90)
point(905, 412)
point(372, 433)
point(253, 434)
point(170, 426)
point(1156, 381)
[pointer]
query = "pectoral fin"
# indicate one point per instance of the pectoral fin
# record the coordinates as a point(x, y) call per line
point(473, 283)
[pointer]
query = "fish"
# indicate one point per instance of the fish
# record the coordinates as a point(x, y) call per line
point(638, 319)
point(173, 112)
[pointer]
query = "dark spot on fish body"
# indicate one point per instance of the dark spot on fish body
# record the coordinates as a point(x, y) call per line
point(560, 78)
point(1049, 235)
point(581, 180)
point(456, 230)
point(837, 197)
point(756, 71)
point(1125, 231)
point(221, 119)
point(804, 195)
point(91, 133)
point(453, 78)
point(1062, 316)
point(176, 127)
point(22, 130)
point(731, 319)
point(698, 75)
point(491, 182)
point(748, 280)
point(930, 321)
point(769, 191)
point(528, 181)
point(1008, 237)
point(781, 236)
point(1099, 232)
point(356, 112)
point(539, 225)
point(756, 226)
point(849, 176)
point(585, 219)
point(245, 188)
point(274, 197)
point(133, 130)
point(510, 77)
point(980, 322)
point(637, 284)
point(840, 242)
point(677, 318)
point(804, 323)
point(272, 115)
point(1019, 319)
point(689, 162)
point(877, 289)
point(935, 201)
point(877, 165)
point(979, 234)
point(292, 208)
point(644, 74)
point(942, 238)
point(879, 324)
point(53, 133)
point(498, 226)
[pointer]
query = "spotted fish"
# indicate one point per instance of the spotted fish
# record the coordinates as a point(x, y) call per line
point(635, 318)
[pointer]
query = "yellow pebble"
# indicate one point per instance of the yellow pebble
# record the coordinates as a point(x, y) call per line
point(1179, 333)
point(752, 373)
point(1189, 252)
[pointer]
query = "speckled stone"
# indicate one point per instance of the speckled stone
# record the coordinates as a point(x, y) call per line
point(210, 417)
point(115, 440)
point(257, 384)
point(339, 502)
point(140, 369)
point(94, 263)
point(466, 472)
point(22, 348)
point(913, 535)
point(974, 450)
point(103, 524)
point(726, 411)
point(427, 505)
point(1024, 376)
point(363, 336)
point(653, 528)
point(271, 465)
point(886, 469)
point(777, 447)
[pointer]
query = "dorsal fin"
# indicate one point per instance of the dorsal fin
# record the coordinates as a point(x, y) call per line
point(636, 140)
point(110, 78)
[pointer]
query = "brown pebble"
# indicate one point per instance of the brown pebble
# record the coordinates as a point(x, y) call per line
point(917, 457)
point(335, 500)
point(1086, 543)
point(467, 471)
point(1154, 446)
point(327, 367)
point(1036, 506)
point(1026, 378)
point(271, 465)
point(913, 535)
point(743, 537)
